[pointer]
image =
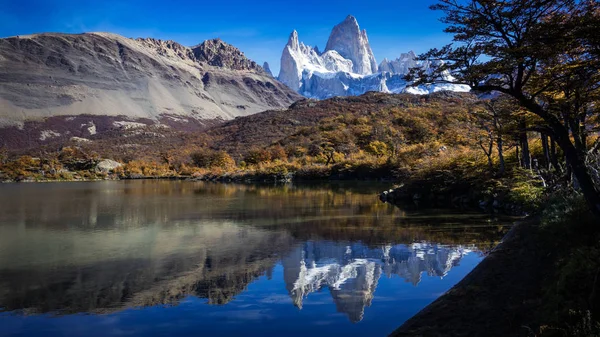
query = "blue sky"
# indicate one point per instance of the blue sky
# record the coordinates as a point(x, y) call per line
point(259, 28)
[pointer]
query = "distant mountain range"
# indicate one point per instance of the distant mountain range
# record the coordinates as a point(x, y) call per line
point(348, 67)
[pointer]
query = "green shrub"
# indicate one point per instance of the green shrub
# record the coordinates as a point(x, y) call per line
point(377, 148)
point(526, 193)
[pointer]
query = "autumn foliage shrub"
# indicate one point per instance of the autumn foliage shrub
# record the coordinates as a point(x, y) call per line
point(140, 169)
point(377, 148)
point(257, 155)
point(77, 159)
point(213, 159)
point(20, 168)
point(296, 151)
point(277, 152)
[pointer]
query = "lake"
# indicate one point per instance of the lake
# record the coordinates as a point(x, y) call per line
point(180, 258)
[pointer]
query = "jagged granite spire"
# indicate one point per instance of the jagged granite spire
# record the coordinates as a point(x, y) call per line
point(290, 73)
point(293, 40)
point(349, 41)
point(267, 69)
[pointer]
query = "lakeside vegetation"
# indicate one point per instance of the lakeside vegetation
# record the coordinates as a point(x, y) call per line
point(433, 142)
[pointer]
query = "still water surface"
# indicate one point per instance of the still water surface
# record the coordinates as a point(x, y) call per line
point(159, 258)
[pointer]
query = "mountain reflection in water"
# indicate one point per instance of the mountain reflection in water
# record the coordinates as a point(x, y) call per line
point(351, 271)
point(105, 247)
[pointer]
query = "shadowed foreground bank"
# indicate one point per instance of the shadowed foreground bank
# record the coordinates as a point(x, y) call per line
point(498, 298)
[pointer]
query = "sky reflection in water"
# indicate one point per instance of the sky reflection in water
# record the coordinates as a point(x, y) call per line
point(181, 258)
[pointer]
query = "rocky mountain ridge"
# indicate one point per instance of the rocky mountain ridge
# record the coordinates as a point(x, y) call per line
point(103, 74)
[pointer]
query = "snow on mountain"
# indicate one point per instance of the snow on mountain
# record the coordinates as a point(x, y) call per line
point(350, 42)
point(348, 67)
point(297, 58)
point(333, 61)
point(400, 65)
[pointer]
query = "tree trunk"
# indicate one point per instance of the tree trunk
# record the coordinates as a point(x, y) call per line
point(554, 156)
point(499, 144)
point(546, 149)
point(525, 155)
point(517, 155)
point(574, 158)
point(584, 179)
point(490, 147)
point(330, 158)
point(576, 163)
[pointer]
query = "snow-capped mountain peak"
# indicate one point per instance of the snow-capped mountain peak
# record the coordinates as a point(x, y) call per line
point(350, 42)
point(401, 65)
point(348, 67)
point(298, 59)
point(293, 40)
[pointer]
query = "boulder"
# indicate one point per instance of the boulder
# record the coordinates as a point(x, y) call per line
point(107, 166)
